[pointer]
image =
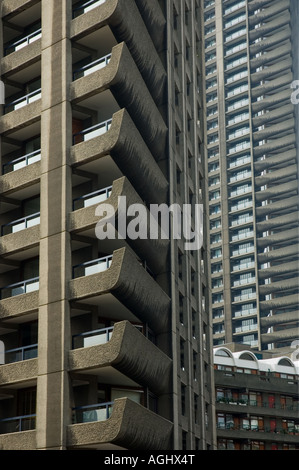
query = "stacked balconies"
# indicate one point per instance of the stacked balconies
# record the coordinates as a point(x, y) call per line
point(119, 378)
point(276, 171)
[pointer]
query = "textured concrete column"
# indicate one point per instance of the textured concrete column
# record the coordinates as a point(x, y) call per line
point(53, 402)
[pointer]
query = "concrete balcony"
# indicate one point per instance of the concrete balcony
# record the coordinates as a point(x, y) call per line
point(288, 334)
point(13, 7)
point(128, 352)
point(269, 42)
point(269, 12)
point(274, 176)
point(279, 253)
point(274, 55)
point(123, 17)
point(83, 221)
point(25, 440)
point(281, 285)
point(289, 188)
point(280, 237)
point(125, 145)
point(278, 319)
point(128, 282)
point(265, 88)
point(17, 61)
point(119, 75)
point(282, 158)
point(16, 183)
point(278, 270)
point(18, 373)
point(15, 307)
point(273, 25)
point(274, 130)
point(287, 203)
point(19, 118)
point(154, 20)
point(257, 77)
point(130, 426)
point(14, 245)
point(280, 302)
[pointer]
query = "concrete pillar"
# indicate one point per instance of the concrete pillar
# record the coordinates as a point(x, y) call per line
point(53, 388)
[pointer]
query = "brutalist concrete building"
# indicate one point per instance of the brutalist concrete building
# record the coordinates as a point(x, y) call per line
point(105, 344)
point(251, 58)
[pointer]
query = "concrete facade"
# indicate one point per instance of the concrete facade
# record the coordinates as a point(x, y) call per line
point(108, 344)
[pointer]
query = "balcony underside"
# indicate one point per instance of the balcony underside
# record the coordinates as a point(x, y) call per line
point(18, 372)
point(129, 352)
point(278, 270)
point(278, 286)
point(280, 237)
point(130, 153)
point(131, 426)
point(289, 188)
point(130, 283)
point(19, 60)
point(279, 253)
point(280, 302)
point(279, 159)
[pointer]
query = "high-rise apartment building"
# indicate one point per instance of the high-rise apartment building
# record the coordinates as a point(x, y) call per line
point(104, 344)
point(251, 59)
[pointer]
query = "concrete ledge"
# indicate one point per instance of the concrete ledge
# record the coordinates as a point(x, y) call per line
point(130, 352)
point(19, 305)
point(16, 6)
point(20, 179)
point(131, 284)
point(18, 372)
point(131, 426)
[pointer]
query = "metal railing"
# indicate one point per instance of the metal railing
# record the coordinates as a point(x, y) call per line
point(24, 287)
point(84, 7)
point(95, 197)
point(20, 224)
point(92, 267)
point(23, 101)
point(17, 424)
point(92, 67)
point(92, 132)
point(21, 354)
point(23, 42)
point(21, 162)
point(94, 337)
point(91, 413)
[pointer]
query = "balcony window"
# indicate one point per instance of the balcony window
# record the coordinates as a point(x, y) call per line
point(91, 67)
point(92, 132)
point(85, 6)
point(92, 413)
point(95, 197)
point(92, 267)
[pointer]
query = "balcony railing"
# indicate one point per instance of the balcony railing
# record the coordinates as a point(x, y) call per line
point(24, 287)
point(91, 132)
point(92, 267)
point(239, 267)
point(94, 337)
point(245, 313)
point(20, 224)
point(91, 413)
point(92, 198)
point(23, 42)
point(83, 7)
point(92, 67)
point(21, 162)
point(17, 424)
point(23, 101)
point(238, 298)
point(21, 354)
